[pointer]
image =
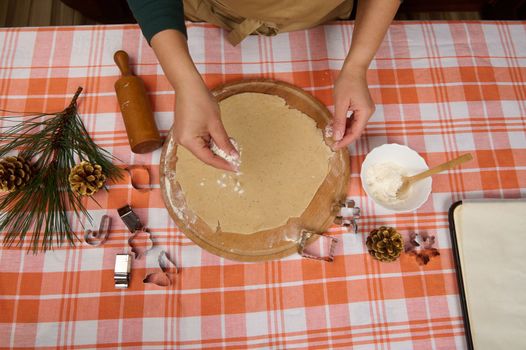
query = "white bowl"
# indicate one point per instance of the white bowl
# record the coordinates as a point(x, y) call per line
point(411, 162)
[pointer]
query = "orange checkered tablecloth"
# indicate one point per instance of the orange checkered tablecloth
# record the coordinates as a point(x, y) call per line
point(442, 88)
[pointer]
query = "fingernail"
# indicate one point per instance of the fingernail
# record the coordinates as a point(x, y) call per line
point(338, 134)
point(234, 153)
point(328, 131)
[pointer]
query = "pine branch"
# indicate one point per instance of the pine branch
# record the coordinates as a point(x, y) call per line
point(55, 142)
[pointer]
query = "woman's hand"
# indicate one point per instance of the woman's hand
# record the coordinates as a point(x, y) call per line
point(350, 89)
point(351, 93)
point(197, 121)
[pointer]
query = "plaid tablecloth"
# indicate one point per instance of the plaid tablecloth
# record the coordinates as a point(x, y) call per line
point(442, 88)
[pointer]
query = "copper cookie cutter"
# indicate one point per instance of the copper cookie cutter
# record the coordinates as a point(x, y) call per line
point(133, 171)
point(169, 269)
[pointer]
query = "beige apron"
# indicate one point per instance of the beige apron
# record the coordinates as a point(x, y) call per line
point(267, 17)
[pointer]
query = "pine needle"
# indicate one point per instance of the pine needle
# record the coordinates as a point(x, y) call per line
point(54, 143)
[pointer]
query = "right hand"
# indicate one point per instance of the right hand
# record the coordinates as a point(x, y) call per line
point(351, 93)
point(197, 121)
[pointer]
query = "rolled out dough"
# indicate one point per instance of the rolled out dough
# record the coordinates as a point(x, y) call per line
point(284, 160)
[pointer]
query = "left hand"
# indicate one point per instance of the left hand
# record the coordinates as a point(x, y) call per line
point(351, 93)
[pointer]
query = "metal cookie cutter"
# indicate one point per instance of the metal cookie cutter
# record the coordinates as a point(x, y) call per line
point(348, 215)
point(168, 271)
point(139, 232)
point(304, 237)
point(121, 273)
point(95, 238)
point(130, 219)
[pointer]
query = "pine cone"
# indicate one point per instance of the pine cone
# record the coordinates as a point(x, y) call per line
point(86, 178)
point(385, 243)
point(15, 173)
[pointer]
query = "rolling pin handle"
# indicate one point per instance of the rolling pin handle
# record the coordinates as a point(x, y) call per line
point(122, 61)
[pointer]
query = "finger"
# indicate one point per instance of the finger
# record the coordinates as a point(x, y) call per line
point(222, 140)
point(341, 106)
point(201, 150)
point(353, 132)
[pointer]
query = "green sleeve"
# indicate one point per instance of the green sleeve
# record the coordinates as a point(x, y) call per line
point(157, 15)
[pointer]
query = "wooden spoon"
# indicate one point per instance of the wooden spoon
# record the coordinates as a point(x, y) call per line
point(407, 181)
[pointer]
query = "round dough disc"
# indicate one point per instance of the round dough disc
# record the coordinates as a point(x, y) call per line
point(284, 160)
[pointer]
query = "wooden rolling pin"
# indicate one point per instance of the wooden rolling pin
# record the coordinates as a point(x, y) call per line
point(135, 108)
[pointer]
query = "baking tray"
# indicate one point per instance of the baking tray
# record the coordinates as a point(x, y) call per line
point(280, 241)
point(458, 268)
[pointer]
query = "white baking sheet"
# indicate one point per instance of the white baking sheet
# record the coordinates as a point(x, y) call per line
point(491, 237)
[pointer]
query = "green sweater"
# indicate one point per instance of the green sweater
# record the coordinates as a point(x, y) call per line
point(155, 16)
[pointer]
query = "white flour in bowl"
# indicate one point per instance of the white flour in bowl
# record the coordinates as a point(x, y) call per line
point(384, 180)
